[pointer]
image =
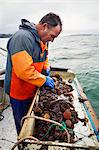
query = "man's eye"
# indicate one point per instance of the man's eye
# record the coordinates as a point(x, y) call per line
point(53, 36)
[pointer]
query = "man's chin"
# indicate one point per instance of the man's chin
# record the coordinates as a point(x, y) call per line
point(44, 42)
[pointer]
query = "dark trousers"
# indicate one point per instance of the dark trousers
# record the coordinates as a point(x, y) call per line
point(20, 109)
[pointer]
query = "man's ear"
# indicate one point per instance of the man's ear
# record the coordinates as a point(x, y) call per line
point(45, 26)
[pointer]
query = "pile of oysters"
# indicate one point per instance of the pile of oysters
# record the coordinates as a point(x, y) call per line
point(55, 104)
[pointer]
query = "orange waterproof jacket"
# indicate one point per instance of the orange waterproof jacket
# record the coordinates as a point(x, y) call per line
point(27, 57)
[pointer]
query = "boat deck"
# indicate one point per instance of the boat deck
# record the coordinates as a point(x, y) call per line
point(7, 130)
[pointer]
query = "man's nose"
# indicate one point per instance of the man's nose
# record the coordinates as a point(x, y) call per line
point(52, 39)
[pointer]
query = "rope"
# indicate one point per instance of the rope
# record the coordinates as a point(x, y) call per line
point(22, 139)
point(48, 120)
point(68, 145)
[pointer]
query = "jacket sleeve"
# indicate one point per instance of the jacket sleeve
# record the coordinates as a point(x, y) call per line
point(24, 69)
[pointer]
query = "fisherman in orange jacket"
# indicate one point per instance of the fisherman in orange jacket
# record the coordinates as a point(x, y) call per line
point(27, 60)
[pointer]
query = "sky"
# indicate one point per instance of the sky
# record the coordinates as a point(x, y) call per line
point(78, 16)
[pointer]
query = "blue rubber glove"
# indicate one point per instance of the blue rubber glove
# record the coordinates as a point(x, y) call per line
point(49, 82)
point(47, 72)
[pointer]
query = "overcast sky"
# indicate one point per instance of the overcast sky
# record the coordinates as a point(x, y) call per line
point(77, 15)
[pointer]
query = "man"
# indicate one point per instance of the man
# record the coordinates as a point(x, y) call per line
point(26, 62)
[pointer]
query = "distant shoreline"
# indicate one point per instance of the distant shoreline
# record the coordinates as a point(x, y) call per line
point(5, 35)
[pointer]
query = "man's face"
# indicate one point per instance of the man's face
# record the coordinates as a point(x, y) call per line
point(50, 33)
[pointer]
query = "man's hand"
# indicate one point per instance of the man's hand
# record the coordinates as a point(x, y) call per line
point(49, 82)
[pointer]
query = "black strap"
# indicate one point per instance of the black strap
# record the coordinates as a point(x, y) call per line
point(59, 69)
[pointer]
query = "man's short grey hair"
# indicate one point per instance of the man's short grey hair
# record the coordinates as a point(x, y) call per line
point(51, 19)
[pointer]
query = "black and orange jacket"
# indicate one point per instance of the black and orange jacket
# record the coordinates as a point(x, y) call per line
point(27, 57)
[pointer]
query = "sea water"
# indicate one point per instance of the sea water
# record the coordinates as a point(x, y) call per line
point(79, 53)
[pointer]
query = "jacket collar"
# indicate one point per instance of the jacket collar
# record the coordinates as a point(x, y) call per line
point(25, 24)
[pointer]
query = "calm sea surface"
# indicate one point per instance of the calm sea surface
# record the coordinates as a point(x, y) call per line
point(81, 54)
